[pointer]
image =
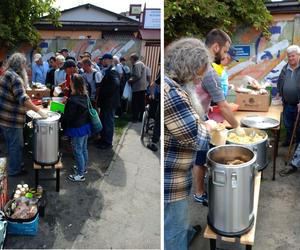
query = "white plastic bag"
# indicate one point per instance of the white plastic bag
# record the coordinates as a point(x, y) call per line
point(127, 93)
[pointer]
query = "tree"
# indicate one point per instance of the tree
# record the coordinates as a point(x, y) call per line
point(198, 17)
point(17, 18)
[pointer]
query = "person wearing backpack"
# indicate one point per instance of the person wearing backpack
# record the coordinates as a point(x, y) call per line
point(124, 78)
point(92, 79)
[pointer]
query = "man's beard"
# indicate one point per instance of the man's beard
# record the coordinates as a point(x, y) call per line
point(218, 58)
point(190, 88)
point(24, 76)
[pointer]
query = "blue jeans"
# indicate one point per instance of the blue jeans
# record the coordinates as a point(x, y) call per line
point(178, 233)
point(289, 118)
point(14, 143)
point(80, 152)
point(108, 122)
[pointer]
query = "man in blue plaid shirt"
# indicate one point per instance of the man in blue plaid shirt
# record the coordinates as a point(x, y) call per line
point(13, 104)
point(186, 61)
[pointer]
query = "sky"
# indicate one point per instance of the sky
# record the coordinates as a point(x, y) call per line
point(116, 6)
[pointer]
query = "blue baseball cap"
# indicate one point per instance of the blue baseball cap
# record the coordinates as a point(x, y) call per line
point(232, 53)
point(107, 56)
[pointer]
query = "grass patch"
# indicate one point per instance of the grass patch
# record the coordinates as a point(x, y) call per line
point(121, 123)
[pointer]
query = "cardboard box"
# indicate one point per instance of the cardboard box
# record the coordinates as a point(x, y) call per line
point(250, 102)
point(38, 93)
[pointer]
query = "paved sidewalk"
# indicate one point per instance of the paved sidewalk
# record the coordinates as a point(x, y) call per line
point(130, 216)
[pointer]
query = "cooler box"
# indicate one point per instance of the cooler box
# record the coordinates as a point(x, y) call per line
point(23, 227)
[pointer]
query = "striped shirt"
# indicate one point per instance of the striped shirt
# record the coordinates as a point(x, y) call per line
point(210, 89)
point(183, 136)
point(12, 98)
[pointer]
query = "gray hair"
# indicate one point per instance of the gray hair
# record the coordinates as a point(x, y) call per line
point(60, 58)
point(293, 48)
point(16, 62)
point(184, 58)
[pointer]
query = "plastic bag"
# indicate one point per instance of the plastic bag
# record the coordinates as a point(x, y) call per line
point(127, 93)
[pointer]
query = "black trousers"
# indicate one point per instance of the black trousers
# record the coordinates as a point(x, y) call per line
point(138, 105)
point(156, 130)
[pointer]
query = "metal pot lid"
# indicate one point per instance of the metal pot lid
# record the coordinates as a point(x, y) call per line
point(260, 122)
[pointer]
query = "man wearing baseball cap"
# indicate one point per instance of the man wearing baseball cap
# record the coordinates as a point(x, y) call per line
point(108, 100)
point(70, 69)
point(39, 69)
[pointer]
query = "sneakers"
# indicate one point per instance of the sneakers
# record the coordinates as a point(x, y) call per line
point(203, 199)
point(75, 170)
point(76, 178)
point(152, 147)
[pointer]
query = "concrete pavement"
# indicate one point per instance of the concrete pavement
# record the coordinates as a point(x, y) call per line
point(278, 219)
point(130, 217)
point(118, 206)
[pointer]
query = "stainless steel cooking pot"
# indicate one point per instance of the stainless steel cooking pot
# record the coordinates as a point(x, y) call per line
point(260, 148)
point(46, 139)
point(231, 189)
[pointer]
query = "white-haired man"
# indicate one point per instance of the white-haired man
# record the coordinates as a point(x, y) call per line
point(289, 90)
point(13, 102)
point(59, 74)
point(39, 69)
point(186, 60)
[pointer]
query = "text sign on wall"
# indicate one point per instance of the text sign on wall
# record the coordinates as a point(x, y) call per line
point(242, 50)
point(152, 19)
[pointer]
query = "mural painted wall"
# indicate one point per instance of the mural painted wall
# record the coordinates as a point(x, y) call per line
point(260, 58)
point(97, 47)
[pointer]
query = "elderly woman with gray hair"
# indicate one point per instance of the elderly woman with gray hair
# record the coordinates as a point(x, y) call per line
point(186, 61)
point(13, 103)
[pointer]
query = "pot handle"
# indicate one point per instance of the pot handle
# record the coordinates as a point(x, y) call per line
point(255, 169)
point(219, 178)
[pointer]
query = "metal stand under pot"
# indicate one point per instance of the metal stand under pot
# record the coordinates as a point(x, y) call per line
point(231, 189)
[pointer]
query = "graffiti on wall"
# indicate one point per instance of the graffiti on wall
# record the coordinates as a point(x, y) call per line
point(121, 47)
point(267, 57)
point(96, 47)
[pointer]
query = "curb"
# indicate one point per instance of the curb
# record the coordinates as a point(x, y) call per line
point(117, 150)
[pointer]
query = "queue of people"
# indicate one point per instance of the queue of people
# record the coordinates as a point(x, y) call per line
point(101, 83)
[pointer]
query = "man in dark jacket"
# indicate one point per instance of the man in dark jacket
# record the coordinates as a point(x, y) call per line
point(108, 100)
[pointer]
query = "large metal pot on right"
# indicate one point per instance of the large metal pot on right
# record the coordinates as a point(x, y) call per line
point(256, 140)
point(231, 173)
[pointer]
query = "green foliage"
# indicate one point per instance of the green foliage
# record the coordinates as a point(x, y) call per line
point(198, 17)
point(18, 16)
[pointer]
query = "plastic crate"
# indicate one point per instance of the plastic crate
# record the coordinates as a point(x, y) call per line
point(23, 228)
